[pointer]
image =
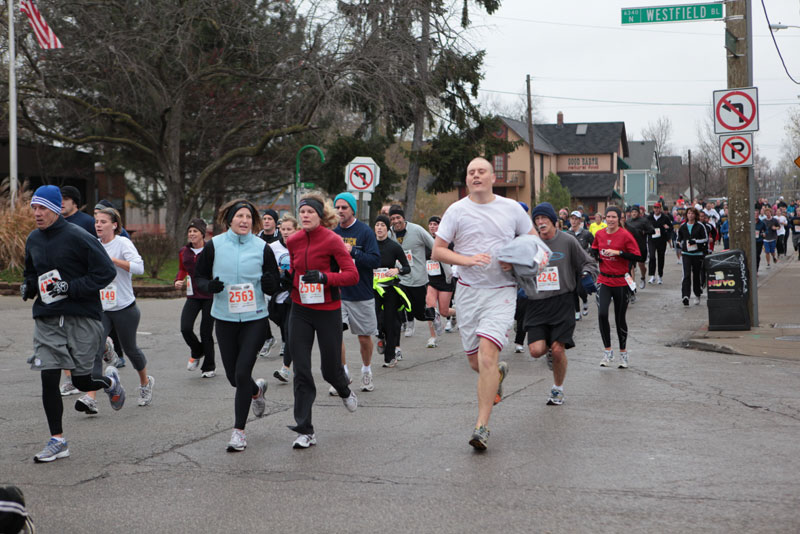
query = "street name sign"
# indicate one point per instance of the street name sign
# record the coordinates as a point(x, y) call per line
point(677, 13)
point(736, 110)
point(362, 175)
point(736, 150)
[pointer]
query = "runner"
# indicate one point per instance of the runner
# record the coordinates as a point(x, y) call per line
point(70, 209)
point(320, 267)
point(389, 298)
point(585, 238)
point(239, 270)
point(358, 302)
point(598, 223)
point(479, 225)
point(640, 228)
point(692, 238)
point(770, 236)
point(65, 269)
point(548, 320)
point(196, 303)
point(280, 305)
point(440, 287)
point(678, 218)
point(417, 244)
point(657, 242)
point(783, 221)
point(270, 234)
point(760, 228)
point(614, 247)
point(119, 306)
point(794, 226)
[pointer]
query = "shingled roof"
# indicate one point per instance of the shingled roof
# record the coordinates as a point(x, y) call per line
point(600, 137)
point(589, 185)
point(540, 144)
point(641, 154)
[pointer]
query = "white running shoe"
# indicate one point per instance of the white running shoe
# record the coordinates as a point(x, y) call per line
point(410, 327)
point(282, 374)
point(87, 405)
point(432, 343)
point(68, 389)
point(268, 344)
point(259, 403)
point(193, 364)
point(438, 327)
point(304, 441)
point(238, 442)
point(146, 392)
point(577, 316)
point(208, 374)
point(586, 308)
point(659, 281)
point(608, 358)
point(448, 327)
point(398, 354)
point(697, 301)
point(623, 360)
point(651, 280)
point(642, 283)
point(332, 392)
point(366, 382)
point(519, 349)
point(351, 402)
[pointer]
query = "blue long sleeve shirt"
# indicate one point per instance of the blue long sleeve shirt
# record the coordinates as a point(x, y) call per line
point(366, 256)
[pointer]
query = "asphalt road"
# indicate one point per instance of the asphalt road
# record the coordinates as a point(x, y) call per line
point(683, 441)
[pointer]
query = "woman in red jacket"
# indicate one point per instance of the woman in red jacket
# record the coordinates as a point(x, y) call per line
point(196, 302)
point(320, 265)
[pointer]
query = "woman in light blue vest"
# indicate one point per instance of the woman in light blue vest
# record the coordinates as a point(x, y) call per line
point(238, 268)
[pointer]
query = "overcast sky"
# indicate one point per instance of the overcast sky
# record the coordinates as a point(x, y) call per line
point(577, 50)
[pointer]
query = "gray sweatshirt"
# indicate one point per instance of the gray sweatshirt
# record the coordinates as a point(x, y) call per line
point(568, 261)
point(415, 242)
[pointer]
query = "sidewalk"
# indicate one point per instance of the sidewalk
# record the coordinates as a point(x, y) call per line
point(778, 314)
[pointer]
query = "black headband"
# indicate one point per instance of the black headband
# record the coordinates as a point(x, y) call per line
point(236, 207)
point(313, 203)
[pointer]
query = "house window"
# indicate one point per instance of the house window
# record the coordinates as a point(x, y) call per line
point(500, 167)
point(625, 185)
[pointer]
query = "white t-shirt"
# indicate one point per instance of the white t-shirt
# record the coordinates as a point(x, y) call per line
point(713, 216)
point(784, 222)
point(122, 248)
point(282, 258)
point(483, 228)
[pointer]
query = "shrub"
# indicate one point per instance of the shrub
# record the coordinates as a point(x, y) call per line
point(14, 229)
point(155, 249)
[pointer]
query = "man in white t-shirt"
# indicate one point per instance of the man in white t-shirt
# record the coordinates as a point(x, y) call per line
point(478, 226)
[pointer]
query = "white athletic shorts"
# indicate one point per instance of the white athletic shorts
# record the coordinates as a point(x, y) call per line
point(484, 313)
point(360, 317)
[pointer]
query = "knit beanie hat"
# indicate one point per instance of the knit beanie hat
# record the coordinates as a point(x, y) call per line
point(48, 196)
point(397, 210)
point(383, 219)
point(544, 209)
point(349, 198)
point(72, 192)
point(199, 224)
point(272, 213)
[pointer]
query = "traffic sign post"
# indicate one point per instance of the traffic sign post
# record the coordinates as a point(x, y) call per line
point(678, 13)
point(736, 110)
point(362, 176)
point(736, 150)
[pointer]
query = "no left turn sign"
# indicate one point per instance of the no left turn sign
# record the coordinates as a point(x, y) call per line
point(736, 110)
point(736, 150)
point(361, 178)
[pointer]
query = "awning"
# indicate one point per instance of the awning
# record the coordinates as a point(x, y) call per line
point(622, 164)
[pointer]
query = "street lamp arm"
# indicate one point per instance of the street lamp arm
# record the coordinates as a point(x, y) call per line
point(297, 161)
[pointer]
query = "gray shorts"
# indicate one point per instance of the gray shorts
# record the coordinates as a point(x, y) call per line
point(360, 317)
point(66, 342)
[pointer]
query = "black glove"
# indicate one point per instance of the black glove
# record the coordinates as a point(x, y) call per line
point(315, 277)
point(57, 288)
point(28, 290)
point(216, 285)
point(269, 284)
point(588, 283)
point(287, 279)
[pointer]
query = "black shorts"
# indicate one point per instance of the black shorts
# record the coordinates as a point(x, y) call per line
point(439, 284)
point(551, 319)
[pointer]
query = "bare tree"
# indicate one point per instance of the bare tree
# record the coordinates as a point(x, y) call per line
point(659, 131)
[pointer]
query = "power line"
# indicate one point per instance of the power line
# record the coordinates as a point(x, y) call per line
point(777, 48)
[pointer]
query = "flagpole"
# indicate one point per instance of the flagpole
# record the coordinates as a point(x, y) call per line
point(12, 107)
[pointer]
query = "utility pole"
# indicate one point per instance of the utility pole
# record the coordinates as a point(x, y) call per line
point(532, 154)
point(691, 189)
point(741, 182)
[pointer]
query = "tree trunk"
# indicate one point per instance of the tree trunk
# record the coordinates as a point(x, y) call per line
point(170, 165)
point(412, 182)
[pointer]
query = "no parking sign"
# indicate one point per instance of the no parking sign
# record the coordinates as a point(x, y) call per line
point(736, 150)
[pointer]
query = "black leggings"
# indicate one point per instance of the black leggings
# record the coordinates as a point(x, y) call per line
point(279, 314)
point(51, 395)
point(620, 296)
point(327, 324)
point(386, 309)
point(657, 248)
point(239, 344)
point(416, 296)
point(203, 347)
point(519, 317)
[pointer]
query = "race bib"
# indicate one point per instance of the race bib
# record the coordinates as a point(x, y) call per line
point(380, 273)
point(409, 257)
point(548, 280)
point(758, 234)
point(46, 278)
point(657, 233)
point(630, 282)
point(690, 247)
point(189, 288)
point(108, 296)
point(241, 298)
point(434, 269)
point(312, 293)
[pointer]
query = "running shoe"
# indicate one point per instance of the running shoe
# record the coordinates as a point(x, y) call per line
point(503, 368)
point(438, 327)
point(549, 358)
point(366, 382)
point(282, 374)
point(146, 392)
point(480, 438)
point(556, 397)
point(381, 346)
point(208, 374)
point(238, 442)
point(685, 301)
point(351, 402)
point(68, 389)
point(259, 404)
point(585, 308)
point(116, 393)
point(769, 266)
point(268, 344)
point(410, 327)
point(651, 280)
point(332, 392)
point(55, 449)
point(432, 343)
point(398, 354)
point(642, 283)
point(577, 316)
point(633, 297)
point(390, 363)
point(659, 281)
point(119, 363)
point(697, 301)
point(623, 360)
point(608, 357)
point(448, 326)
point(519, 349)
point(87, 405)
point(193, 364)
point(304, 441)
point(109, 354)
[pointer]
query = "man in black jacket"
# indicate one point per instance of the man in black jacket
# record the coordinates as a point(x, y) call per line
point(657, 242)
point(65, 269)
point(640, 228)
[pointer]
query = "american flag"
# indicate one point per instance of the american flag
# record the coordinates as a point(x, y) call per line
point(47, 39)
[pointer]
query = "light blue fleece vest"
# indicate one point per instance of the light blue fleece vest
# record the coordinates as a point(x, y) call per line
point(238, 259)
